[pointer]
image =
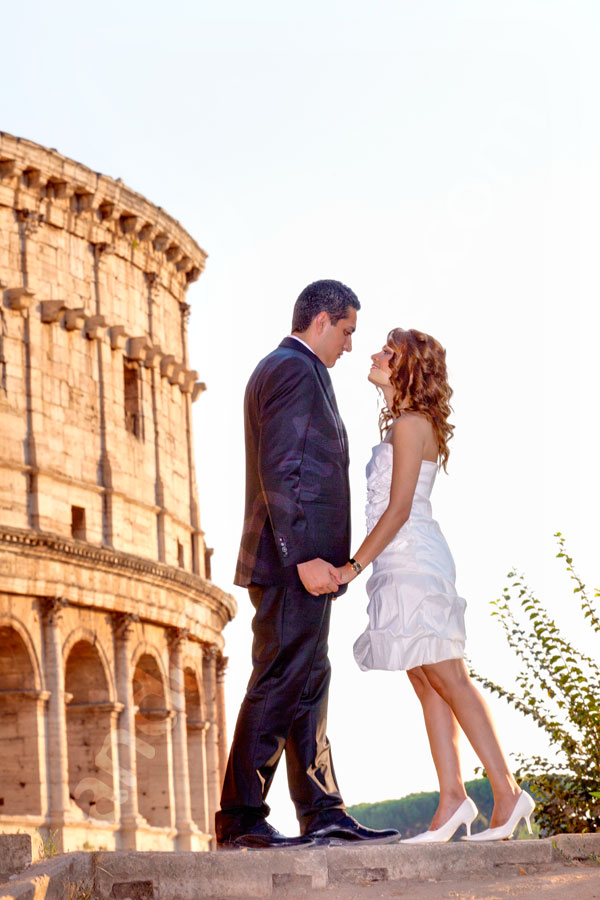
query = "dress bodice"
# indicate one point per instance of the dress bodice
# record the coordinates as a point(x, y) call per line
point(379, 480)
point(415, 614)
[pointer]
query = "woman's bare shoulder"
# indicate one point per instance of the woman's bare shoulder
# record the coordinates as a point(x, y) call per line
point(412, 429)
point(410, 422)
point(406, 430)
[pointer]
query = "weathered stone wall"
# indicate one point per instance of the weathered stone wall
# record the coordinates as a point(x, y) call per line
point(110, 633)
point(94, 279)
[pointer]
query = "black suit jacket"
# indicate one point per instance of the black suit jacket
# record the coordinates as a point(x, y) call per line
point(297, 489)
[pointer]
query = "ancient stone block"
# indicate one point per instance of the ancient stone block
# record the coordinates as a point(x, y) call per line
point(189, 380)
point(118, 337)
point(18, 298)
point(199, 388)
point(15, 854)
point(7, 168)
point(74, 319)
point(95, 327)
point(136, 348)
point(128, 223)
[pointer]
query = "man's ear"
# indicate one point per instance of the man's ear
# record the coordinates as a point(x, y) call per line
point(321, 320)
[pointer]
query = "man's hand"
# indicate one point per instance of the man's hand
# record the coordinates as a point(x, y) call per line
point(345, 574)
point(318, 577)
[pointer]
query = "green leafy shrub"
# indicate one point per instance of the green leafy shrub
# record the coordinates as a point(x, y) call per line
point(558, 687)
point(49, 845)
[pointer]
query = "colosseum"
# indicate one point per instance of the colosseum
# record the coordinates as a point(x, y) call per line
point(112, 721)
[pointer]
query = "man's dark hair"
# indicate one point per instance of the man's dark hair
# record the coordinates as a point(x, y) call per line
point(331, 296)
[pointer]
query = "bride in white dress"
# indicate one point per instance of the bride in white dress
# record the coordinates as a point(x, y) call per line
point(416, 618)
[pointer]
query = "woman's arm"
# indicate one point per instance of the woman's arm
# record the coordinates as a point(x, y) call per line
point(409, 435)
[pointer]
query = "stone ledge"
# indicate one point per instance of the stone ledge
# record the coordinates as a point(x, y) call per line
point(577, 846)
point(71, 191)
point(50, 879)
point(247, 875)
point(396, 862)
point(235, 875)
point(49, 546)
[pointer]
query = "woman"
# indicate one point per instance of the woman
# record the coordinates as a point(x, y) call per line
point(416, 618)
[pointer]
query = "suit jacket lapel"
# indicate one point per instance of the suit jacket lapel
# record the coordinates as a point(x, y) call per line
point(323, 376)
point(325, 380)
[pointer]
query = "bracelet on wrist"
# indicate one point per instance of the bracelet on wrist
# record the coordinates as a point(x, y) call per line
point(355, 565)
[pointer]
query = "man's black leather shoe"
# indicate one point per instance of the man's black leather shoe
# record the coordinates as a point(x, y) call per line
point(347, 830)
point(262, 836)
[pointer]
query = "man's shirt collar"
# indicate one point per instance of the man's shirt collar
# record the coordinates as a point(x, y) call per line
point(296, 338)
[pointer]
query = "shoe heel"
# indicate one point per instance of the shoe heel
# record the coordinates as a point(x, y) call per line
point(468, 824)
point(528, 823)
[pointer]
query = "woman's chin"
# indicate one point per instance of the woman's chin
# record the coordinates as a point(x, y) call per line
point(378, 378)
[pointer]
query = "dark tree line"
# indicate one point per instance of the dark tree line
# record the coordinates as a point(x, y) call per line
point(413, 813)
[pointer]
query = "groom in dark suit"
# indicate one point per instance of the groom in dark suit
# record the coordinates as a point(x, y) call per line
point(296, 530)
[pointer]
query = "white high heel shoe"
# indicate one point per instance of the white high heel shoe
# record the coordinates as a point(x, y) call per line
point(464, 815)
point(523, 808)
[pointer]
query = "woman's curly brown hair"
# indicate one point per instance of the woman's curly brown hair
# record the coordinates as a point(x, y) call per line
point(420, 378)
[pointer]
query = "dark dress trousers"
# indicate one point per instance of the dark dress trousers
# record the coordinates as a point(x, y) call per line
point(297, 508)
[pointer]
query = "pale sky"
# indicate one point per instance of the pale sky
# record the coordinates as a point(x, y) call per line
point(443, 159)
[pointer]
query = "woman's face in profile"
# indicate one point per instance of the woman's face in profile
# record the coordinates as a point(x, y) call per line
point(380, 370)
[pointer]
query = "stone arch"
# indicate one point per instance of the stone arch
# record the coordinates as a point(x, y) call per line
point(90, 720)
point(23, 632)
point(196, 744)
point(195, 668)
point(153, 720)
point(21, 722)
point(89, 635)
point(144, 648)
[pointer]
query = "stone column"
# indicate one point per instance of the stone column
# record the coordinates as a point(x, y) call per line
point(221, 719)
point(21, 299)
point(115, 711)
point(152, 282)
point(101, 251)
point(125, 736)
point(58, 759)
point(41, 718)
point(181, 775)
point(200, 805)
point(197, 535)
point(209, 678)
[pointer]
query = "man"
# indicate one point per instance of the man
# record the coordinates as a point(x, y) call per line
point(296, 530)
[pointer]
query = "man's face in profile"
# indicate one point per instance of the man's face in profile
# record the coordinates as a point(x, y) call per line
point(337, 338)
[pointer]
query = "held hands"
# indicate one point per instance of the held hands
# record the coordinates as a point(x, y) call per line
point(319, 577)
point(346, 574)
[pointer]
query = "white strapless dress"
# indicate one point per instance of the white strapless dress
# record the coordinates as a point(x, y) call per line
point(415, 614)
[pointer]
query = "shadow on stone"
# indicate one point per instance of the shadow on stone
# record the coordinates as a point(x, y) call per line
point(282, 883)
point(133, 890)
point(362, 876)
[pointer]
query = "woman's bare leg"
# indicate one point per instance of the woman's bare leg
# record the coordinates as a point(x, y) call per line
point(451, 680)
point(443, 733)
